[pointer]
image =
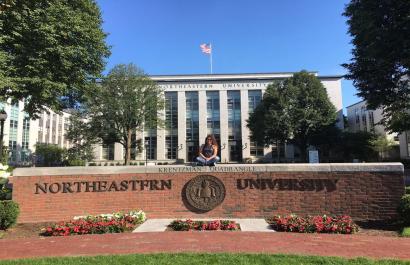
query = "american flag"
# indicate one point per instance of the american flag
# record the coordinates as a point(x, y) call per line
point(206, 48)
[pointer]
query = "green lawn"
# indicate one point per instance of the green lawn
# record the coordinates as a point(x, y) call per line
point(189, 259)
point(405, 232)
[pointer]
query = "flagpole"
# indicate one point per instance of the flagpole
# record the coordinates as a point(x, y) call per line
point(210, 58)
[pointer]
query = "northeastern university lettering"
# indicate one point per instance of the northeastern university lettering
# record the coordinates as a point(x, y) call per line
point(102, 186)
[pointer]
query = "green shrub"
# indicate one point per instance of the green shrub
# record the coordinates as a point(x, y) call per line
point(405, 232)
point(408, 190)
point(141, 163)
point(9, 211)
point(404, 209)
point(50, 155)
point(92, 164)
point(5, 190)
point(76, 162)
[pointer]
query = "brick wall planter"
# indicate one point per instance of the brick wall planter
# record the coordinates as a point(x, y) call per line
point(363, 191)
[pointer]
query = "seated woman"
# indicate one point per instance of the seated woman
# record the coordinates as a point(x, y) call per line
point(208, 152)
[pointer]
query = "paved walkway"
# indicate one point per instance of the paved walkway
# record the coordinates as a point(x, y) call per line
point(221, 241)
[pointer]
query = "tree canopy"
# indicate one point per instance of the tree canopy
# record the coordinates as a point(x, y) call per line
point(120, 107)
point(49, 51)
point(380, 67)
point(294, 109)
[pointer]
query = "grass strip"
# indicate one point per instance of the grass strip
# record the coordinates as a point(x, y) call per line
point(190, 258)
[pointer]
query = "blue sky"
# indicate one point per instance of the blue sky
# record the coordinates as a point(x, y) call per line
point(163, 36)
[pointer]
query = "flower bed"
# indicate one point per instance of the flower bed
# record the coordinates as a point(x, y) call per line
point(98, 224)
point(314, 224)
point(187, 225)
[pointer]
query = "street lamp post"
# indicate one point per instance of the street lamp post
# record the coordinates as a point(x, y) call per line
point(3, 117)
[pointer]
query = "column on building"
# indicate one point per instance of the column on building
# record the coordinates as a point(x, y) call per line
point(97, 151)
point(161, 138)
point(119, 151)
point(181, 126)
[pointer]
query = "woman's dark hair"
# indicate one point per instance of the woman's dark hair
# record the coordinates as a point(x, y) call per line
point(214, 142)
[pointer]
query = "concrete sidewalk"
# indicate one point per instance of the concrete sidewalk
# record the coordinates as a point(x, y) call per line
point(209, 242)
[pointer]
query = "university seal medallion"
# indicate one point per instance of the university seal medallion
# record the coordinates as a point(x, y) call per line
point(205, 192)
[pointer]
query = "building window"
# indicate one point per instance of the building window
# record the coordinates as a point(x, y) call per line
point(54, 129)
point(60, 130)
point(192, 116)
point(66, 127)
point(108, 151)
point(234, 125)
point(357, 115)
point(254, 98)
point(25, 152)
point(40, 128)
point(408, 142)
point(47, 133)
point(371, 121)
point(171, 110)
point(364, 118)
point(192, 125)
point(213, 113)
point(171, 145)
point(151, 147)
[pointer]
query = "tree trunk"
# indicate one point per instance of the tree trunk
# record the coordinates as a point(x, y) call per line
point(277, 151)
point(128, 148)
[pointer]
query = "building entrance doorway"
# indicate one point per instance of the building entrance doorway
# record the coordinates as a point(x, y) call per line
point(235, 150)
point(192, 151)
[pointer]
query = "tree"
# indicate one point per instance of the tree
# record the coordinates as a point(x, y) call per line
point(49, 51)
point(82, 139)
point(294, 110)
point(380, 67)
point(270, 122)
point(382, 145)
point(118, 108)
point(357, 145)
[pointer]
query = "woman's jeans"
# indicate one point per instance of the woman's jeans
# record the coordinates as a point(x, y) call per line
point(210, 162)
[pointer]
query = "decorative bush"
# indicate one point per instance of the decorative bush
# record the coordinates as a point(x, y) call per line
point(9, 211)
point(50, 155)
point(404, 209)
point(408, 190)
point(5, 188)
point(187, 225)
point(99, 224)
point(314, 224)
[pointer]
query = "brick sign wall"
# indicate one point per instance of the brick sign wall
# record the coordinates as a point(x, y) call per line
point(248, 191)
